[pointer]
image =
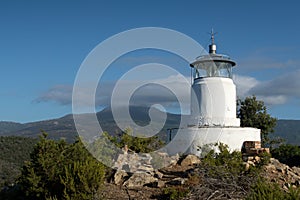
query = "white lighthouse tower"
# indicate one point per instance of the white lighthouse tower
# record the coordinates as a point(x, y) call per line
point(213, 107)
point(213, 91)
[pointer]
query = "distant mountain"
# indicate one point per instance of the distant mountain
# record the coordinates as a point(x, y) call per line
point(64, 127)
point(289, 130)
point(56, 128)
point(6, 127)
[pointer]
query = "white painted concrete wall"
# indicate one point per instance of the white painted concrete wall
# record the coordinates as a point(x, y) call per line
point(214, 102)
point(190, 140)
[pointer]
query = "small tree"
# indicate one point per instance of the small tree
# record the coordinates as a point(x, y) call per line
point(58, 170)
point(253, 113)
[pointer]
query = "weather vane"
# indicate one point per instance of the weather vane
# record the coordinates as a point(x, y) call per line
point(212, 36)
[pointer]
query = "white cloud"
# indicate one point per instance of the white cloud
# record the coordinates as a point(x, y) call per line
point(284, 87)
point(244, 84)
point(61, 94)
point(146, 95)
point(268, 59)
point(276, 91)
point(279, 90)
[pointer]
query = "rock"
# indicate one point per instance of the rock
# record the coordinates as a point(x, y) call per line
point(297, 183)
point(292, 175)
point(190, 160)
point(177, 181)
point(270, 167)
point(296, 170)
point(175, 157)
point(251, 163)
point(139, 180)
point(257, 159)
point(119, 177)
point(250, 158)
point(126, 167)
point(247, 166)
point(160, 184)
point(158, 174)
point(145, 168)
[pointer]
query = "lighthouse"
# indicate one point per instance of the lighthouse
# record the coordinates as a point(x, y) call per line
point(213, 108)
point(213, 101)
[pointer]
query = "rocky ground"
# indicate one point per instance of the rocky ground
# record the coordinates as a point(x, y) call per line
point(186, 177)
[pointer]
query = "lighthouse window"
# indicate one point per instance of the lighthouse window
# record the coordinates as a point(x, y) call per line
point(224, 69)
point(213, 69)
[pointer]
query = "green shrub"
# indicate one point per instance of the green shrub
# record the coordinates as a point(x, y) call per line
point(173, 193)
point(58, 170)
point(224, 161)
point(264, 190)
point(287, 154)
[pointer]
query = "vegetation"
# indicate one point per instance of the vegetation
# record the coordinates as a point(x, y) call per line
point(253, 113)
point(263, 189)
point(287, 154)
point(136, 144)
point(14, 151)
point(224, 161)
point(176, 192)
point(58, 170)
point(223, 175)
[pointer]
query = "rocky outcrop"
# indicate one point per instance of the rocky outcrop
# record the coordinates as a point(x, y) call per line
point(282, 174)
point(144, 162)
point(133, 170)
point(138, 170)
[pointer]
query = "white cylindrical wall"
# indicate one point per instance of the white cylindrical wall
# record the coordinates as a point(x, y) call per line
point(214, 102)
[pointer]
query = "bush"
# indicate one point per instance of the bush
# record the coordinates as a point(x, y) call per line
point(224, 174)
point(287, 154)
point(173, 193)
point(224, 160)
point(62, 171)
point(263, 190)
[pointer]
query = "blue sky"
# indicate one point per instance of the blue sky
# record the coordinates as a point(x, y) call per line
point(43, 43)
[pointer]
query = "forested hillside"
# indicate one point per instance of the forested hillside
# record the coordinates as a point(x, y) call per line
point(14, 151)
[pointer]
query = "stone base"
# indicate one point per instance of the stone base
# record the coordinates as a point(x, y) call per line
point(193, 140)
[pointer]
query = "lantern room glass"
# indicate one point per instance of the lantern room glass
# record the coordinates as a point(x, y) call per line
point(213, 69)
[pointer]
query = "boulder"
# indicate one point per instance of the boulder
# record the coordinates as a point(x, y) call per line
point(119, 177)
point(139, 180)
point(190, 160)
